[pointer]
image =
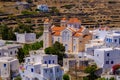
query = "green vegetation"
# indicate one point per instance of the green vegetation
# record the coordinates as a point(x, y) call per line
point(29, 1)
point(34, 46)
point(7, 33)
point(112, 78)
point(21, 55)
point(112, 2)
point(85, 78)
point(23, 28)
point(101, 79)
point(91, 70)
point(18, 78)
point(39, 34)
point(54, 10)
point(56, 49)
point(68, 6)
point(26, 12)
point(28, 20)
point(66, 77)
point(27, 47)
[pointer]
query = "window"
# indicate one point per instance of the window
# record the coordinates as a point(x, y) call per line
point(53, 62)
point(28, 60)
point(51, 71)
point(15, 51)
point(65, 36)
point(31, 69)
point(119, 40)
point(107, 62)
point(11, 53)
point(66, 47)
point(4, 65)
point(57, 70)
point(52, 40)
point(112, 62)
point(65, 63)
point(49, 61)
point(45, 62)
point(115, 40)
point(74, 41)
point(73, 48)
point(108, 54)
point(97, 54)
point(45, 70)
point(96, 37)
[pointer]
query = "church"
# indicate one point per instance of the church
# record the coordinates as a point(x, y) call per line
point(70, 33)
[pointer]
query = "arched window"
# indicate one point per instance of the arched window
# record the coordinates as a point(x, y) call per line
point(65, 36)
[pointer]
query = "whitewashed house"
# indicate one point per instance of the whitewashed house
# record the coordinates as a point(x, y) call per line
point(41, 67)
point(104, 49)
point(105, 58)
point(100, 33)
point(92, 45)
point(25, 37)
point(71, 63)
point(9, 50)
point(9, 68)
point(43, 7)
point(113, 39)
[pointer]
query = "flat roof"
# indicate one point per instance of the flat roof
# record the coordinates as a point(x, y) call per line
point(7, 59)
point(49, 65)
point(77, 59)
point(39, 53)
point(7, 46)
point(108, 49)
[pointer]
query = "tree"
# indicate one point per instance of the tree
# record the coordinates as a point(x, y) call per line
point(7, 33)
point(20, 55)
point(18, 78)
point(66, 77)
point(91, 70)
point(29, 1)
point(101, 79)
point(56, 49)
point(112, 78)
point(85, 78)
point(4, 31)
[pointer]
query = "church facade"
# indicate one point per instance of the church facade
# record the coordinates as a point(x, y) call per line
point(70, 33)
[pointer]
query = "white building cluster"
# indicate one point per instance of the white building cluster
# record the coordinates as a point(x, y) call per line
point(104, 48)
point(25, 37)
point(41, 66)
point(9, 68)
point(9, 50)
point(9, 65)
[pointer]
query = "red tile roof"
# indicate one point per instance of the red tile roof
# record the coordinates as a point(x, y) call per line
point(58, 28)
point(77, 34)
point(80, 30)
point(56, 33)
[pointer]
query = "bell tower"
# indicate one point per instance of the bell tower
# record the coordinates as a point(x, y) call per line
point(63, 22)
point(47, 36)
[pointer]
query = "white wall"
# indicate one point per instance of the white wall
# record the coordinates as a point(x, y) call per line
point(26, 37)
